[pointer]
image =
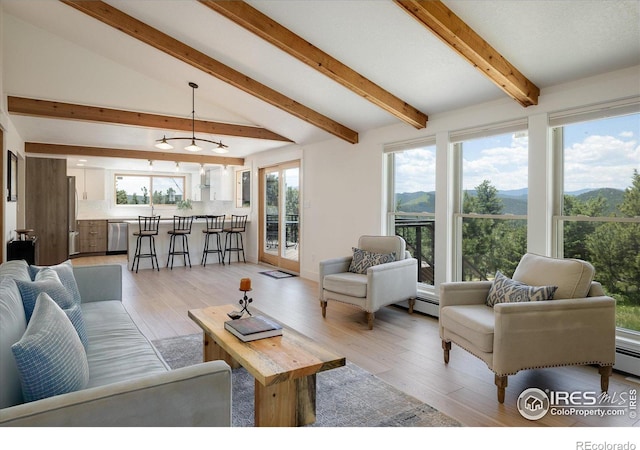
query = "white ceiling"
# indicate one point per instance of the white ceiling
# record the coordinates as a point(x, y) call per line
point(52, 51)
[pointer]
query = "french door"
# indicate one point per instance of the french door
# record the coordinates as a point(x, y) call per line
point(279, 216)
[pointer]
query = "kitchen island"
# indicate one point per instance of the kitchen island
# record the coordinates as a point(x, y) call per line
point(196, 244)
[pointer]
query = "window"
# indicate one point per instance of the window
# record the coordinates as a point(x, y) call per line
point(598, 207)
point(146, 189)
point(411, 200)
point(491, 221)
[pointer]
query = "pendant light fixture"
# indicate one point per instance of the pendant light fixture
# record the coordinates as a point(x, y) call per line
point(193, 147)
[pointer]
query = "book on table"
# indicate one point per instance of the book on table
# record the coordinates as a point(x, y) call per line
point(253, 328)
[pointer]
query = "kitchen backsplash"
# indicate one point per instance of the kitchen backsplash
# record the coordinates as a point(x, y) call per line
point(100, 209)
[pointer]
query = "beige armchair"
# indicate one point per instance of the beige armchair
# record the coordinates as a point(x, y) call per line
point(576, 327)
point(378, 285)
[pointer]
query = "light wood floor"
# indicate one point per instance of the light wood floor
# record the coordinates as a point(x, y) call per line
point(402, 349)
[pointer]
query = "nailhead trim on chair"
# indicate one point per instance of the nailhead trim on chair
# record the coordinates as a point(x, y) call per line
point(586, 363)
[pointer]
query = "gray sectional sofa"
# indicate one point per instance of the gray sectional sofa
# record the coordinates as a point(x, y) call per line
point(124, 381)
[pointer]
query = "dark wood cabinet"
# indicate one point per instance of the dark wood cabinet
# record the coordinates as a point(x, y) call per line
point(93, 236)
point(46, 207)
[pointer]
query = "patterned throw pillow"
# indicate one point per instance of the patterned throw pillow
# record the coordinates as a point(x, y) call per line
point(47, 280)
point(50, 357)
point(65, 273)
point(506, 290)
point(363, 259)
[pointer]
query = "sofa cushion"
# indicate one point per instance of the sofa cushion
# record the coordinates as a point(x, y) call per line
point(506, 290)
point(65, 273)
point(475, 323)
point(47, 280)
point(16, 269)
point(118, 350)
point(51, 359)
point(347, 283)
point(13, 324)
point(572, 276)
point(363, 259)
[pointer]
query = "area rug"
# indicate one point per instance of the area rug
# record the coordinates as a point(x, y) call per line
point(348, 396)
point(278, 274)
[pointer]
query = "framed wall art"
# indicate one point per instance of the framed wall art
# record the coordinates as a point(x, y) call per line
point(12, 177)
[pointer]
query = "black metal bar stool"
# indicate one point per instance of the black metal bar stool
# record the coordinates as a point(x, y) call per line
point(237, 227)
point(215, 227)
point(147, 228)
point(181, 228)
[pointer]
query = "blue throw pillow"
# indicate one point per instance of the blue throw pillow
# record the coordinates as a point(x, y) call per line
point(47, 280)
point(65, 273)
point(50, 357)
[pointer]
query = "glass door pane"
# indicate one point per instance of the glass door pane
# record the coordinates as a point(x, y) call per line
point(272, 212)
point(291, 188)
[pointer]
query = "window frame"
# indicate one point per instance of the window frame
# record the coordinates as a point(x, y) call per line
point(150, 177)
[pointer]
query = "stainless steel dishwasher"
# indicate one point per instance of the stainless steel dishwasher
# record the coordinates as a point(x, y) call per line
point(117, 238)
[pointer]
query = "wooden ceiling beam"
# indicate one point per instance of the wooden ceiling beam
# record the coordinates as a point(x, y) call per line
point(63, 150)
point(59, 110)
point(263, 26)
point(442, 22)
point(163, 42)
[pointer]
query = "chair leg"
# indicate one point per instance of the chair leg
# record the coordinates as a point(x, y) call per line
point(203, 260)
point(323, 304)
point(446, 346)
point(605, 373)
point(370, 317)
point(501, 382)
point(412, 303)
point(154, 254)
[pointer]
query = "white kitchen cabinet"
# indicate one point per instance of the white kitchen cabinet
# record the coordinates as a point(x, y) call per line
point(221, 184)
point(90, 183)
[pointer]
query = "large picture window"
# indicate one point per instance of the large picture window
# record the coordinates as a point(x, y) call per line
point(491, 221)
point(599, 205)
point(411, 199)
point(149, 189)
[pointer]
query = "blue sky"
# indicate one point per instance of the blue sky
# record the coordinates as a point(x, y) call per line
point(598, 154)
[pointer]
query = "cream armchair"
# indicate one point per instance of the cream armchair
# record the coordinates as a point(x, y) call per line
point(577, 327)
point(381, 285)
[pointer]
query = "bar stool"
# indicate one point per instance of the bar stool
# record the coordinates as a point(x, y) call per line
point(182, 228)
point(147, 228)
point(237, 227)
point(215, 226)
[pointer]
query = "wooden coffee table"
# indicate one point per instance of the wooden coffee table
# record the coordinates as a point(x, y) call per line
point(284, 367)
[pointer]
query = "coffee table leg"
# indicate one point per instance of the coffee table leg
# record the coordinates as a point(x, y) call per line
point(213, 352)
point(291, 403)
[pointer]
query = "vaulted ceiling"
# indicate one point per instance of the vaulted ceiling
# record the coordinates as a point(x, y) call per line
point(114, 75)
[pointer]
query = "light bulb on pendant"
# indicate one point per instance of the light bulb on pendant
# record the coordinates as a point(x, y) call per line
point(150, 165)
point(193, 147)
point(163, 144)
point(177, 166)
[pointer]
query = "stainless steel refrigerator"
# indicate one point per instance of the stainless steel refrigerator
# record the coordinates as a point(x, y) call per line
point(73, 216)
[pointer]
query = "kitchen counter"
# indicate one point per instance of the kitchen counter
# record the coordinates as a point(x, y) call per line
point(196, 243)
